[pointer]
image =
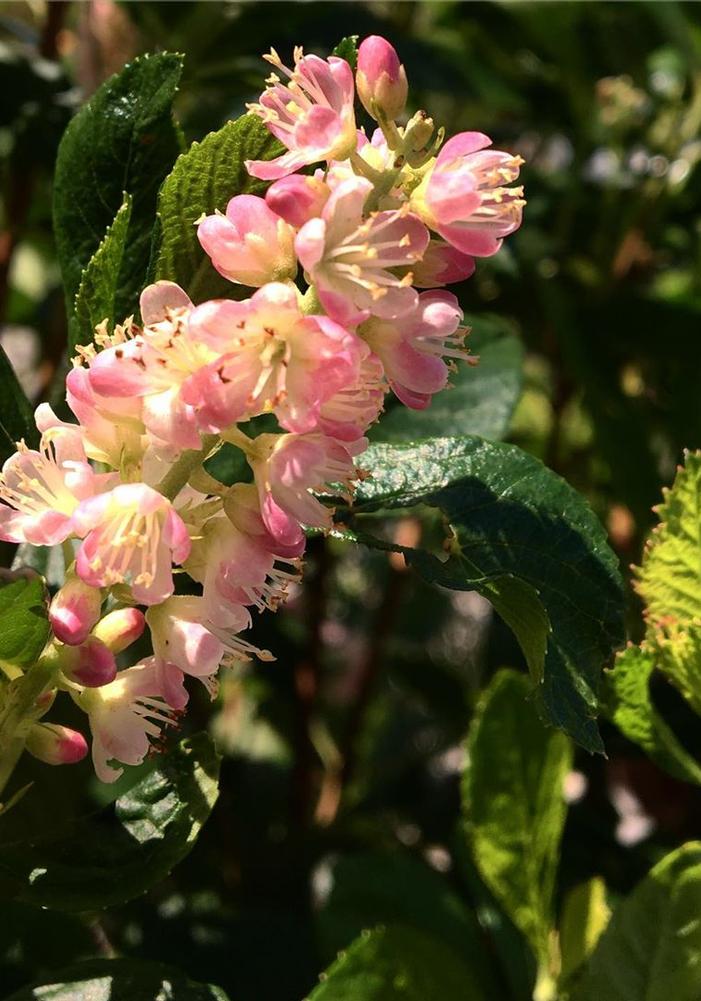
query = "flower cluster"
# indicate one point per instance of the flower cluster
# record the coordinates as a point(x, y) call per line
point(125, 490)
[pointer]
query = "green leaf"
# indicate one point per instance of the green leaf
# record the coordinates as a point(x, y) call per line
point(202, 181)
point(24, 622)
point(123, 139)
point(397, 964)
point(118, 980)
point(629, 705)
point(347, 49)
point(514, 520)
point(514, 805)
point(585, 915)
point(48, 561)
point(16, 412)
point(483, 397)
point(669, 580)
point(650, 950)
point(111, 857)
point(96, 299)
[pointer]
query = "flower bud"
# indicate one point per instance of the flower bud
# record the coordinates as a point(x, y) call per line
point(297, 198)
point(442, 265)
point(74, 611)
point(120, 628)
point(380, 79)
point(56, 745)
point(91, 664)
point(250, 245)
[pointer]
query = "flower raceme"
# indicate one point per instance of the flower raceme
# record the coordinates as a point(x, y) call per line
point(336, 299)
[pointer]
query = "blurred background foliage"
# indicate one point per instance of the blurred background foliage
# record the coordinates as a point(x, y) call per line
point(340, 797)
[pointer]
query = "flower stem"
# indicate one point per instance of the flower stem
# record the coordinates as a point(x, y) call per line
point(178, 475)
point(17, 717)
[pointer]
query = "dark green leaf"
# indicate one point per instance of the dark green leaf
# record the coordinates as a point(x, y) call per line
point(48, 561)
point(514, 805)
point(347, 49)
point(119, 980)
point(397, 964)
point(482, 399)
point(203, 180)
point(16, 412)
point(628, 704)
point(111, 857)
point(515, 520)
point(123, 139)
point(24, 623)
point(652, 945)
point(96, 299)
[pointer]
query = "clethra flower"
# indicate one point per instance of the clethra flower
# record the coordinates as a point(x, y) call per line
point(380, 79)
point(278, 360)
point(131, 535)
point(350, 258)
point(464, 198)
point(112, 428)
point(90, 665)
point(250, 245)
point(286, 470)
point(349, 413)
point(312, 115)
point(120, 628)
point(298, 198)
point(56, 745)
point(40, 490)
point(412, 351)
point(125, 716)
point(442, 265)
point(74, 611)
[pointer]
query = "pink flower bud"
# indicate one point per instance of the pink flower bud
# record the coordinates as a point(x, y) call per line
point(91, 664)
point(380, 78)
point(74, 611)
point(250, 245)
point(56, 745)
point(120, 628)
point(297, 198)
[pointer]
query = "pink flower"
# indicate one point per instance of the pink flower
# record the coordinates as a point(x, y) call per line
point(120, 628)
point(288, 468)
point(442, 265)
point(40, 490)
point(380, 79)
point(74, 610)
point(349, 413)
point(56, 745)
point(113, 428)
point(412, 351)
point(312, 115)
point(278, 360)
point(250, 245)
point(464, 198)
point(298, 198)
point(132, 535)
point(90, 665)
point(350, 258)
point(124, 717)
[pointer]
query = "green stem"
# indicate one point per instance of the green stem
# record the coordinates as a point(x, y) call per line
point(17, 716)
point(178, 475)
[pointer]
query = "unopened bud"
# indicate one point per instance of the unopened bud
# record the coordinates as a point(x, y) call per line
point(380, 79)
point(44, 702)
point(91, 664)
point(120, 628)
point(297, 198)
point(74, 611)
point(56, 745)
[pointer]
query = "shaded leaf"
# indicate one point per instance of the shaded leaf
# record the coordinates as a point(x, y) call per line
point(24, 621)
point(652, 945)
point(16, 412)
point(514, 805)
point(397, 964)
point(96, 298)
point(202, 181)
point(111, 857)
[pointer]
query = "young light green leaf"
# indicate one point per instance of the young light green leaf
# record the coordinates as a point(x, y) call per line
point(585, 915)
point(202, 181)
point(24, 622)
point(96, 298)
point(482, 398)
point(514, 805)
point(103, 860)
point(118, 980)
point(514, 519)
point(652, 945)
point(16, 412)
point(123, 139)
point(397, 964)
point(627, 702)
